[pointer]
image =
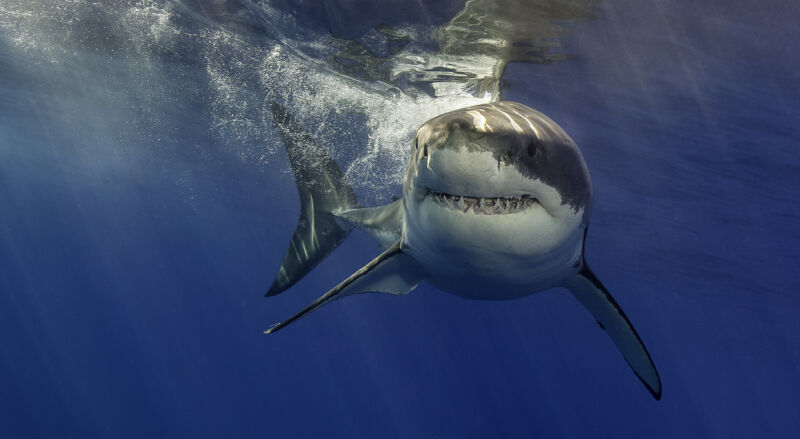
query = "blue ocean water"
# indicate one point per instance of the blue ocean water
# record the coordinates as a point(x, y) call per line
point(146, 203)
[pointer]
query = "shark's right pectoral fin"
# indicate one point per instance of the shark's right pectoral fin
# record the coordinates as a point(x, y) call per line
point(392, 272)
point(598, 301)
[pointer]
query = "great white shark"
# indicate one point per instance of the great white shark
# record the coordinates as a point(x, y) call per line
point(496, 204)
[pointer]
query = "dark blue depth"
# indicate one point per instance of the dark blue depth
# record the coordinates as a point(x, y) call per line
point(136, 246)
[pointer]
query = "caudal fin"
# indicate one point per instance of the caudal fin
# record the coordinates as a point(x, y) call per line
point(323, 191)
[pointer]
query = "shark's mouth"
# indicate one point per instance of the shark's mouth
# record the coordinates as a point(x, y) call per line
point(484, 206)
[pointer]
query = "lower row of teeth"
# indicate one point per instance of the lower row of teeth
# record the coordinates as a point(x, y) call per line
point(485, 206)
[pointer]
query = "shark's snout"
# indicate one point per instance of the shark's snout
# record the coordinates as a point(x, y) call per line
point(500, 150)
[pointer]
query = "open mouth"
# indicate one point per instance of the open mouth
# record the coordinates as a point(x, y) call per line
point(484, 206)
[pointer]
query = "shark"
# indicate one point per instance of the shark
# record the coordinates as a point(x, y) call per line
point(495, 205)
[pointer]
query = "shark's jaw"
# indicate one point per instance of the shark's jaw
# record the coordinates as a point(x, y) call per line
point(471, 244)
point(484, 205)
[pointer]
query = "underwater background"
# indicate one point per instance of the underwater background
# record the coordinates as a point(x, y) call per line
point(146, 203)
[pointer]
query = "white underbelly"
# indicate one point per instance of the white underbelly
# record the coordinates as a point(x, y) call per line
point(493, 257)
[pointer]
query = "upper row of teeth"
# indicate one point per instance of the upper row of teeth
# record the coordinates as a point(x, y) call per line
point(486, 206)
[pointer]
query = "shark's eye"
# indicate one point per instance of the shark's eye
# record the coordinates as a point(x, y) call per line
point(532, 149)
point(416, 143)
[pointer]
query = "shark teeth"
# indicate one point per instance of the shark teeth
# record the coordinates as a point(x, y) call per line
point(484, 206)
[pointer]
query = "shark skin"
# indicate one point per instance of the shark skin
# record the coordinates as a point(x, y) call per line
point(496, 205)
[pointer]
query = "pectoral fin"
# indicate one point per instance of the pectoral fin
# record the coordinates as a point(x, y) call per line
point(392, 272)
point(598, 301)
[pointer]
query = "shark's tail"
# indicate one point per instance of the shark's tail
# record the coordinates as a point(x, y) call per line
point(323, 191)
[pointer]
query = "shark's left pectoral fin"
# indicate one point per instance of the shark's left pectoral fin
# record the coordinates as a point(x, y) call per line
point(599, 302)
point(392, 272)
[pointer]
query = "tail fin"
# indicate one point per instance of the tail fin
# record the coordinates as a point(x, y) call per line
point(323, 191)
